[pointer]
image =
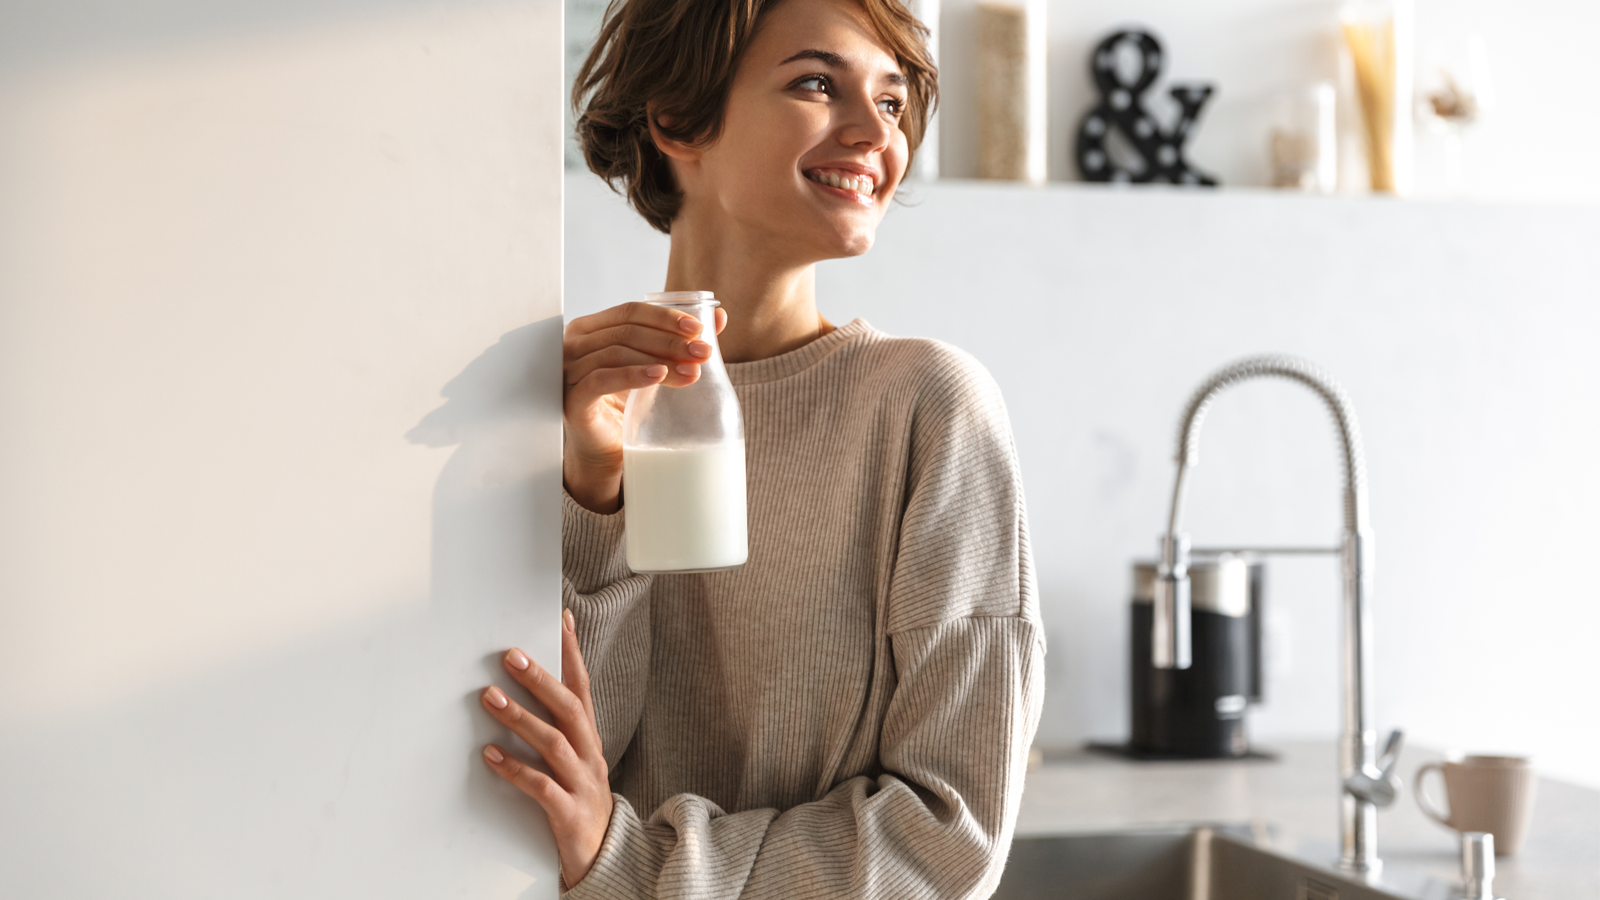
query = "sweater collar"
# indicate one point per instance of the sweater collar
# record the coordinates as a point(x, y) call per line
point(799, 359)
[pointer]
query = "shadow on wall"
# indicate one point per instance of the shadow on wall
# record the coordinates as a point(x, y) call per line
point(497, 416)
point(496, 536)
point(348, 765)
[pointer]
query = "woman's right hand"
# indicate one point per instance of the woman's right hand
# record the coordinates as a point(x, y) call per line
point(603, 357)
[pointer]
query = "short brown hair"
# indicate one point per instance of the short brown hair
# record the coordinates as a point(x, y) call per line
point(680, 56)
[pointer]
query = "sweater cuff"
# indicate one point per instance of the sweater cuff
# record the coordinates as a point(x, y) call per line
point(592, 554)
point(623, 867)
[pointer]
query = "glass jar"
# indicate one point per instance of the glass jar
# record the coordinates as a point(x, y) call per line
point(1304, 142)
point(1377, 42)
point(683, 463)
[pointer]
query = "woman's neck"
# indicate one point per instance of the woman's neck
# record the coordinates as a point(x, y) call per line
point(771, 303)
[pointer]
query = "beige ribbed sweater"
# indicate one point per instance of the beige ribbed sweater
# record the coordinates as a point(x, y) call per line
point(849, 713)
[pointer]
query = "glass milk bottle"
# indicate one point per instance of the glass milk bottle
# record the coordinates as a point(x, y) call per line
point(683, 463)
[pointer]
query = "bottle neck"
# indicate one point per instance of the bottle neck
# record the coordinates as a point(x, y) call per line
point(707, 314)
point(704, 310)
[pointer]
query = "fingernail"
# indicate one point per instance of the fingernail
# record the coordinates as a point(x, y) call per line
point(496, 698)
point(517, 659)
point(700, 349)
point(566, 618)
point(687, 368)
point(689, 324)
point(494, 754)
point(655, 371)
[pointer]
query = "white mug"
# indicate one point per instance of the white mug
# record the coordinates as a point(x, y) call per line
point(1484, 793)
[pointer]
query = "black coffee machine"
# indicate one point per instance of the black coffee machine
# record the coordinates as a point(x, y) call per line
point(1199, 712)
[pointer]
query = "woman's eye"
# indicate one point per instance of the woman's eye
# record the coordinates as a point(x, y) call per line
point(815, 83)
point(893, 106)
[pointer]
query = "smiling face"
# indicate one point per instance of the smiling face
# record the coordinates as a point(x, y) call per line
point(810, 150)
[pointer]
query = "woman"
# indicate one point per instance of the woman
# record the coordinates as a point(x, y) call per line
point(849, 713)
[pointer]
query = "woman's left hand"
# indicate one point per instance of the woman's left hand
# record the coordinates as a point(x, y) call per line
point(578, 798)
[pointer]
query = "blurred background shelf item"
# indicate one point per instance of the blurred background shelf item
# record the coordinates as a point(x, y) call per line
point(1377, 42)
point(1455, 90)
point(1304, 139)
point(925, 166)
point(1120, 138)
point(1011, 90)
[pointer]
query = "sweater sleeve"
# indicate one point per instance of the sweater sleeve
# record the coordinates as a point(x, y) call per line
point(967, 653)
point(611, 609)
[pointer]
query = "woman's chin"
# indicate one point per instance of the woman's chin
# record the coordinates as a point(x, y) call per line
point(849, 240)
point(857, 244)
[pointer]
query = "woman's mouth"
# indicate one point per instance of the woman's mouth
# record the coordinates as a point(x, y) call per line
point(855, 187)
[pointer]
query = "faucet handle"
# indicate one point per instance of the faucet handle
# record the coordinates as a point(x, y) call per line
point(1379, 785)
point(1477, 865)
point(1390, 757)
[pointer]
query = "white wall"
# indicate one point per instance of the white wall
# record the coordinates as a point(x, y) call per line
point(279, 335)
point(1463, 332)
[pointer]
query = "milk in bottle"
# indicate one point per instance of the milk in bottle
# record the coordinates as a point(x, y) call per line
point(683, 483)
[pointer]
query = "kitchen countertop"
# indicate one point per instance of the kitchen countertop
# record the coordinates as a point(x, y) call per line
point(1081, 790)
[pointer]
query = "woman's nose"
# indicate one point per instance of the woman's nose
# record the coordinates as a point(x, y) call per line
point(865, 126)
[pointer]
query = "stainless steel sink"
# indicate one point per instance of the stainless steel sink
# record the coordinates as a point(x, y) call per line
point(1204, 862)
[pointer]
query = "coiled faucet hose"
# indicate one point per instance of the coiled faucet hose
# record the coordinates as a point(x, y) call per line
point(1294, 369)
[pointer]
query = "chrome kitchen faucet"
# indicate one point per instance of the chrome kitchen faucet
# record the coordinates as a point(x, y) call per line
point(1368, 778)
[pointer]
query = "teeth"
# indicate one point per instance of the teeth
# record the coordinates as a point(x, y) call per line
point(862, 184)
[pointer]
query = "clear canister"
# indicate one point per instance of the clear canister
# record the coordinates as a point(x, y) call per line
point(683, 482)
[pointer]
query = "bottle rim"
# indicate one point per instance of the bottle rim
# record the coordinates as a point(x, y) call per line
point(682, 298)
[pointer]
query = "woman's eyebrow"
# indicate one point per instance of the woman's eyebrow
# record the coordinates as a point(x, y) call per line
point(823, 56)
point(836, 61)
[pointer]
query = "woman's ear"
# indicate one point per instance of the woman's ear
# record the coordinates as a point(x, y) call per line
point(681, 151)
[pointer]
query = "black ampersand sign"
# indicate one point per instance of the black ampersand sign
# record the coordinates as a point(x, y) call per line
point(1121, 107)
